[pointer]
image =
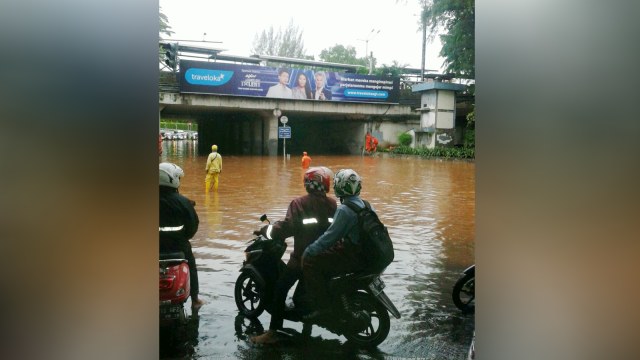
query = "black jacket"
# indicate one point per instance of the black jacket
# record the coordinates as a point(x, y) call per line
point(307, 218)
point(325, 91)
point(175, 211)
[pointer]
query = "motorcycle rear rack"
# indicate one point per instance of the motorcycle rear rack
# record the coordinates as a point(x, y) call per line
point(164, 264)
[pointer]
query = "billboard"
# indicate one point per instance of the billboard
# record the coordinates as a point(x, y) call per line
point(285, 83)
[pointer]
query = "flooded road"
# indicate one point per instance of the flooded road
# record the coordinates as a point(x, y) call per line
point(428, 206)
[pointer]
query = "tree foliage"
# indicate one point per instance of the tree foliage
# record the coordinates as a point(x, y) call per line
point(287, 42)
point(345, 55)
point(165, 29)
point(395, 69)
point(457, 19)
point(341, 54)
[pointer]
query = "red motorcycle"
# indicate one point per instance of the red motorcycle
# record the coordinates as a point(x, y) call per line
point(174, 289)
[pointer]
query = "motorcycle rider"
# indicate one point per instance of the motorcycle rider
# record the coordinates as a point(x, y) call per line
point(178, 223)
point(307, 218)
point(338, 250)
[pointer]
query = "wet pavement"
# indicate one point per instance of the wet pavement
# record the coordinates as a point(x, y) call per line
point(428, 206)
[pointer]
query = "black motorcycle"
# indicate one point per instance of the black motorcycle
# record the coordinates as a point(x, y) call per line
point(464, 291)
point(361, 308)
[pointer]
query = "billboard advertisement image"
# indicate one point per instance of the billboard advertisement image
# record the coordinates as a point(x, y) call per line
point(285, 83)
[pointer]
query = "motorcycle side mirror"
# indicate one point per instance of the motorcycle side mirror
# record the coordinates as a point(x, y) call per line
point(263, 218)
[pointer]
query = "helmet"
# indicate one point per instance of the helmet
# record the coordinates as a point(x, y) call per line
point(170, 175)
point(347, 182)
point(317, 179)
point(214, 147)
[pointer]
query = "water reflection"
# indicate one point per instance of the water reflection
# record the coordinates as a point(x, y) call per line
point(295, 346)
point(428, 206)
point(180, 148)
point(180, 341)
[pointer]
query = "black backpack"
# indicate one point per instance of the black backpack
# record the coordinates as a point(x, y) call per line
point(374, 238)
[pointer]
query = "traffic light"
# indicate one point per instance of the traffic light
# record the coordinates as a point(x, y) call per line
point(171, 55)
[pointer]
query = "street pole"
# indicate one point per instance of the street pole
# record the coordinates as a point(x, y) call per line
point(366, 48)
point(284, 120)
point(366, 53)
point(424, 48)
point(371, 63)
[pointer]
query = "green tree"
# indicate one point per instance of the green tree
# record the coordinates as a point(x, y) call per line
point(457, 19)
point(287, 42)
point(395, 69)
point(165, 28)
point(344, 55)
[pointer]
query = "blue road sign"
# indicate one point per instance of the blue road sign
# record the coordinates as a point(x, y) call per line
point(284, 132)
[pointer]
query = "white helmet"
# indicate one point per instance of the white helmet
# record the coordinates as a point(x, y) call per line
point(347, 182)
point(170, 175)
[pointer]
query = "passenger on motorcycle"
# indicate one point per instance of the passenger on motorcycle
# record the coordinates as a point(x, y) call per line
point(307, 218)
point(338, 250)
point(178, 223)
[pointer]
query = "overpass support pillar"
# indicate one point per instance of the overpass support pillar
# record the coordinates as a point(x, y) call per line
point(271, 135)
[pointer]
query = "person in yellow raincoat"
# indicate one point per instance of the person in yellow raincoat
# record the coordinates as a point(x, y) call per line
point(213, 169)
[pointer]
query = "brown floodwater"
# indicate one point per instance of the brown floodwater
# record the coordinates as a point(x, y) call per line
point(427, 205)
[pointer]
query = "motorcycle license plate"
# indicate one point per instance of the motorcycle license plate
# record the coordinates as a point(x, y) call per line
point(376, 285)
point(170, 312)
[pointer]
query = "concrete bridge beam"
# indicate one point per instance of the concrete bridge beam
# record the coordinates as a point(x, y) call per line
point(247, 126)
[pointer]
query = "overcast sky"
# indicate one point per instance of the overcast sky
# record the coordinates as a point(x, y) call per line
point(323, 24)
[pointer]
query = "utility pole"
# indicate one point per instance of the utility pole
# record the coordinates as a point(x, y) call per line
point(424, 48)
point(284, 120)
point(371, 63)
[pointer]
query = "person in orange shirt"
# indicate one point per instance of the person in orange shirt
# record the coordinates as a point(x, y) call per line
point(374, 144)
point(306, 160)
point(367, 142)
point(370, 143)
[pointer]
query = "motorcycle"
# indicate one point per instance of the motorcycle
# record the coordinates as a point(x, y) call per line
point(361, 307)
point(174, 288)
point(464, 293)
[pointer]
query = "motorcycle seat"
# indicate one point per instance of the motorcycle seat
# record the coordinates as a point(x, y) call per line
point(172, 255)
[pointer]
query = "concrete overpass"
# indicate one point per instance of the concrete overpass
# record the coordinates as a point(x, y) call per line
point(247, 126)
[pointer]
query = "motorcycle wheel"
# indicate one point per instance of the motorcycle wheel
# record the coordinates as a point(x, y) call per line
point(464, 294)
point(249, 295)
point(378, 329)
